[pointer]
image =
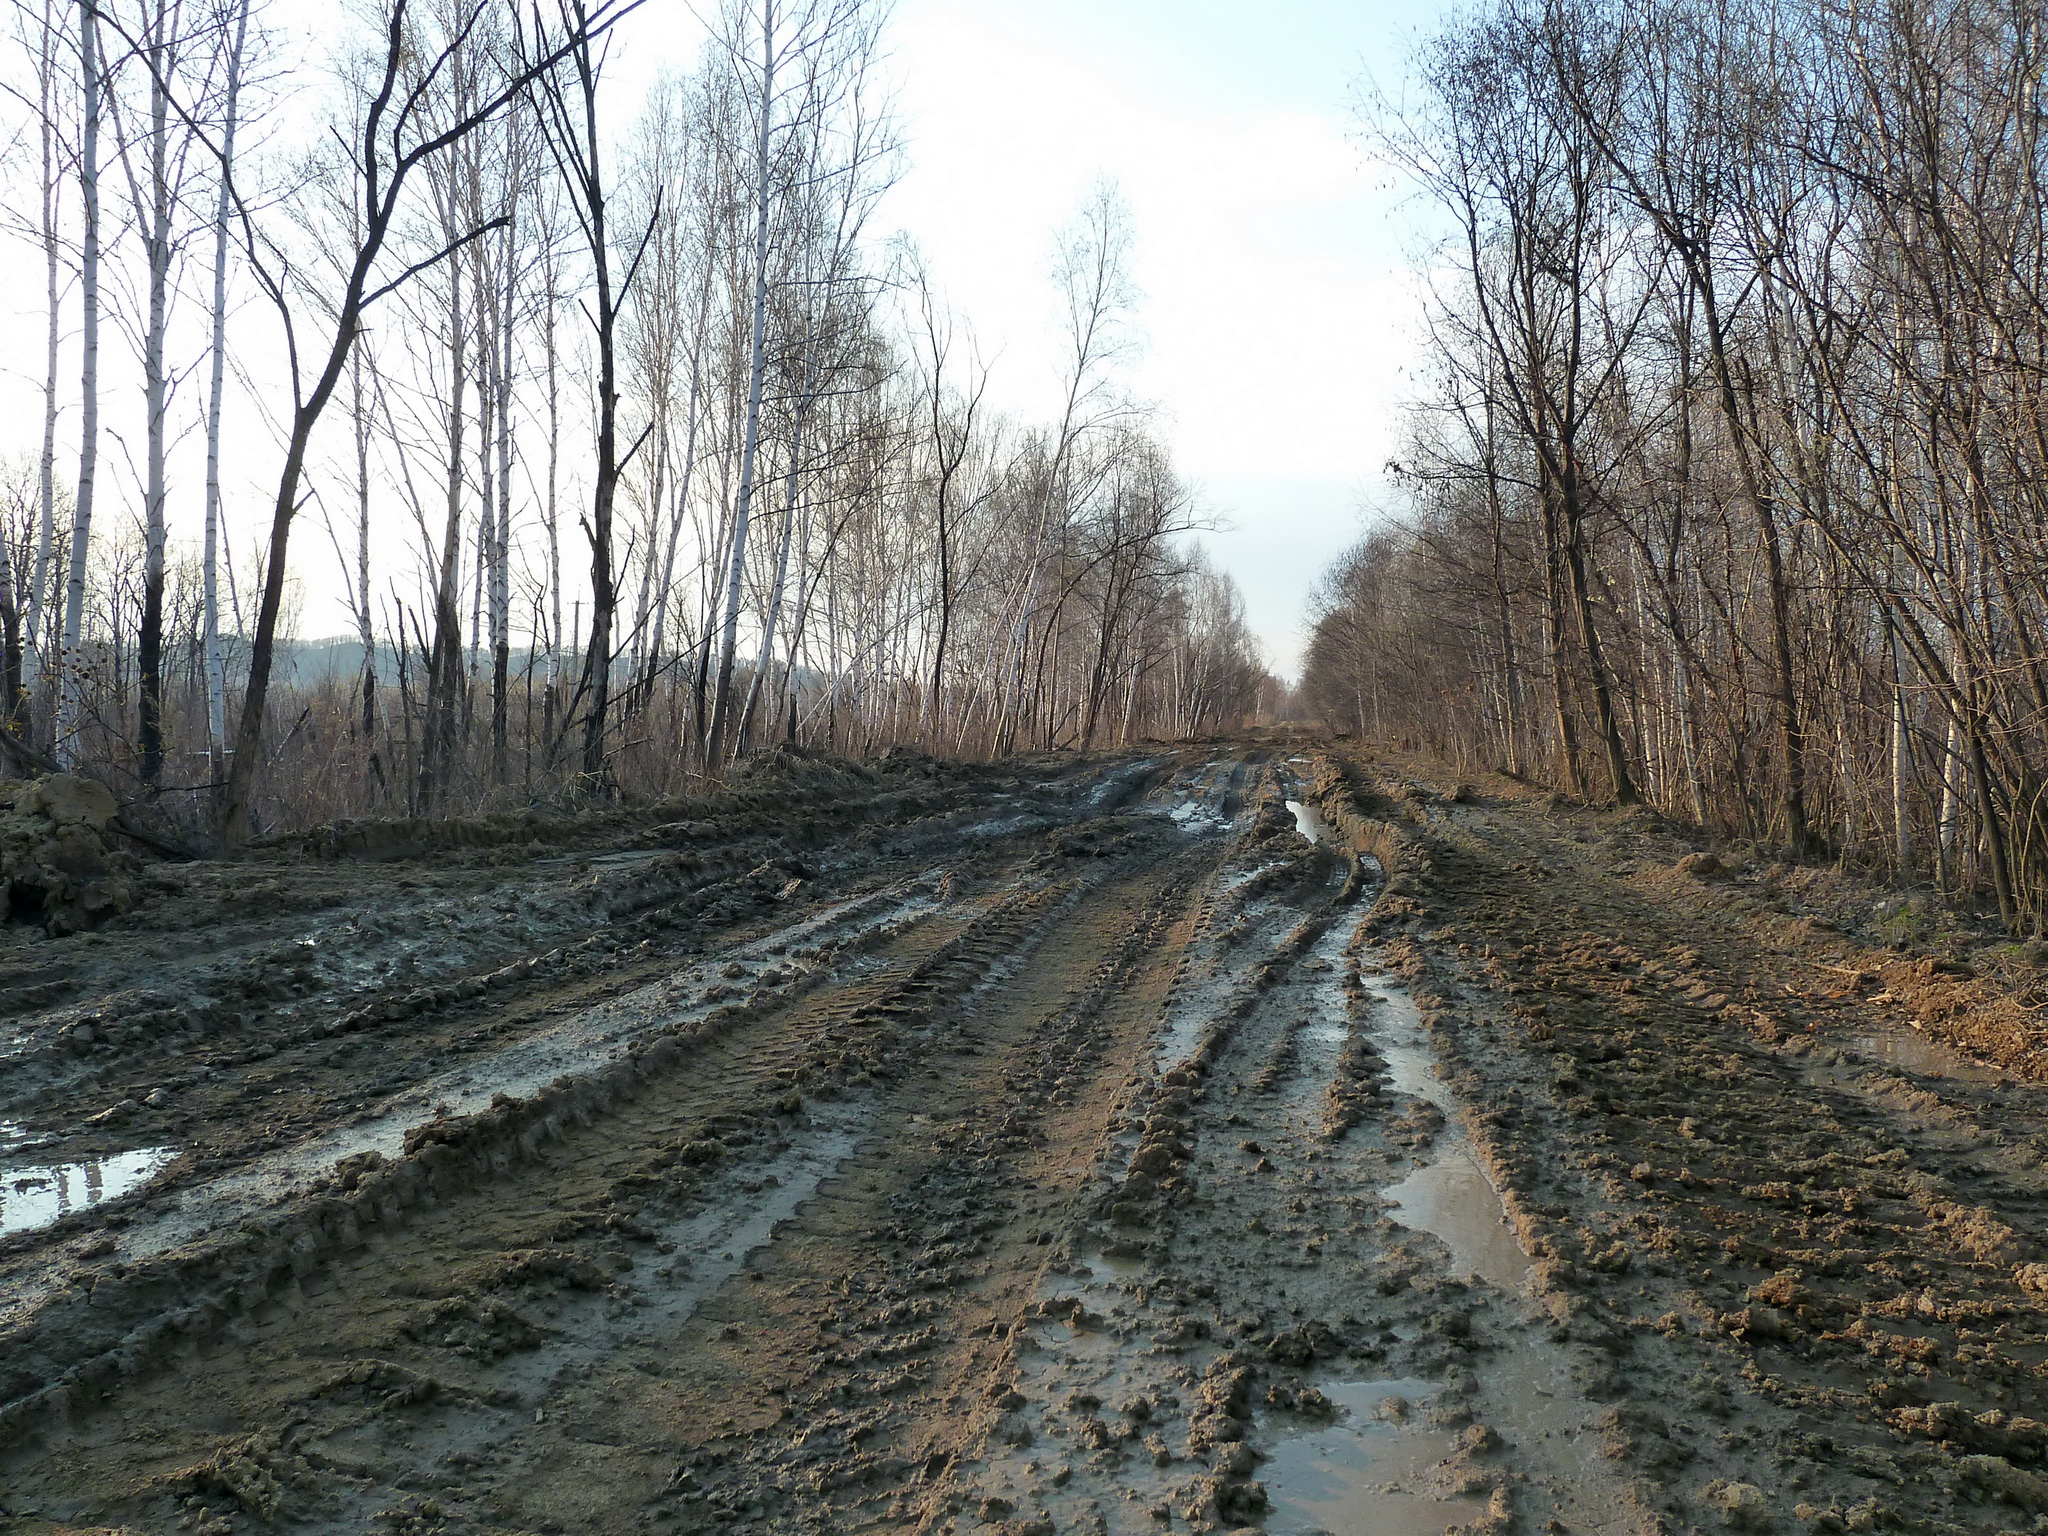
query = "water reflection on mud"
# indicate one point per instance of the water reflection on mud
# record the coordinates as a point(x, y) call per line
point(1308, 821)
point(1897, 1046)
point(34, 1195)
point(1454, 1201)
point(1450, 1197)
point(1368, 1471)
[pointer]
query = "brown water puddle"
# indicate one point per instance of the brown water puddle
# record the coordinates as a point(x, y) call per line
point(1369, 1471)
point(1450, 1197)
point(1896, 1045)
point(1308, 821)
point(1454, 1201)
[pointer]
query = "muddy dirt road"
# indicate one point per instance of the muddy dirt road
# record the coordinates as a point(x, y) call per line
point(1240, 1137)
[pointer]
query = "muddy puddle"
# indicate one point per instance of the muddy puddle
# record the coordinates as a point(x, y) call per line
point(1368, 1471)
point(1529, 1389)
point(1200, 804)
point(1908, 1049)
point(1450, 1197)
point(1453, 1200)
point(1379, 1466)
point(1308, 821)
point(1105, 1269)
point(34, 1195)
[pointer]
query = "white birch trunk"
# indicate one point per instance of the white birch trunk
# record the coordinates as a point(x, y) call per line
point(501, 542)
point(46, 523)
point(757, 369)
point(1902, 767)
point(209, 620)
point(70, 661)
point(366, 630)
point(773, 615)
point(554, 529)
point(155, 392)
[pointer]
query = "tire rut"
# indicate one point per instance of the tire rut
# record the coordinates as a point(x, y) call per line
point(1042, 1189)
point(567, 1186)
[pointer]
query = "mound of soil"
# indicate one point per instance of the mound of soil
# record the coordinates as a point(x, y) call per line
point(53, 852)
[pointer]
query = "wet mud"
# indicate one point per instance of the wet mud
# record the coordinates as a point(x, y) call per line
point(1243, 1137)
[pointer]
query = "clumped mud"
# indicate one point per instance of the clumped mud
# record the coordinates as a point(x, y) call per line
point(1753, 1167)
point(1228, 1138)
point(59, 870)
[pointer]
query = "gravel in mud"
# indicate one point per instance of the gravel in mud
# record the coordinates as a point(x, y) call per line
point(1245, 1137)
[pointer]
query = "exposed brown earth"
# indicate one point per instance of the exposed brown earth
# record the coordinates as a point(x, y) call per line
point(1070, 1145)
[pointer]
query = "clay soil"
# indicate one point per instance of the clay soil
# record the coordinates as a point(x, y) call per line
point(1254, 1136)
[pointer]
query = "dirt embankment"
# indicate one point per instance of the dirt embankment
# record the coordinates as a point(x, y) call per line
point(1062, 1147)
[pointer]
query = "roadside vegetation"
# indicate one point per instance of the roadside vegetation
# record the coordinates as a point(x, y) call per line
point(629, 437)
point(1727, 488)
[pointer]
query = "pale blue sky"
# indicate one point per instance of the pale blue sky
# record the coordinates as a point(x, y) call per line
point(1280, 308)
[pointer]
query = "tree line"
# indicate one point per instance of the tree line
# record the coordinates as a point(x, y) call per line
point(1729, 486)
point(634, 445)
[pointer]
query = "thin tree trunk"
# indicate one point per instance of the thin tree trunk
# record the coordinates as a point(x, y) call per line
point(757, 369)
point(70, 660)
point(551, 684)
point(1604, 720)
point(216, 671)
point(795, 473)
point(501, 540)
point(444, 665)
point(21, 699)
point(1901, 766)
point(150, 642)
point(365, 619)
point(1950, 821)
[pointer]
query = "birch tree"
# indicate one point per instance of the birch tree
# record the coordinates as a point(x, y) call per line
point(800, 67)
point(217, 357)
point(71, 661)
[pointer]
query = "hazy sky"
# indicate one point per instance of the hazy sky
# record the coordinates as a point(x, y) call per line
point(1278, 307)
point(1278, 302)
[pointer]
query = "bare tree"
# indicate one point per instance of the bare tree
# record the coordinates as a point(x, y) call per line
point(223, 227)
point(395, 142)
point(71, 662)
point(571, 128)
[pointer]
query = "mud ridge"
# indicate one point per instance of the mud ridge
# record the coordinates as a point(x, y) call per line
point(116, 1323)
point(1803, 1278)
